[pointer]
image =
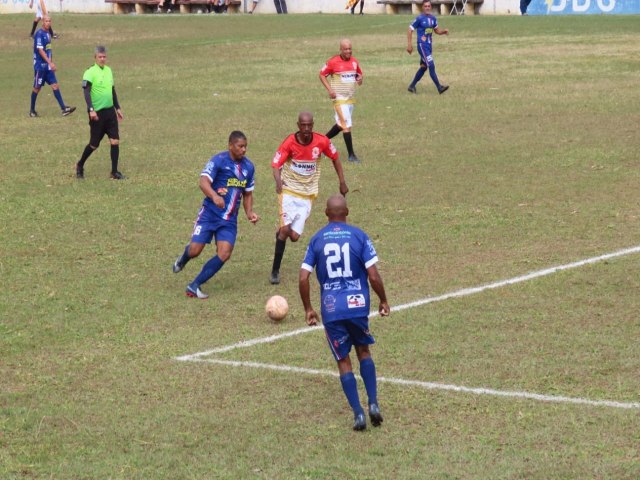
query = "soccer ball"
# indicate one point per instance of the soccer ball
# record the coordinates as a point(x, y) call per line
point(277, 308)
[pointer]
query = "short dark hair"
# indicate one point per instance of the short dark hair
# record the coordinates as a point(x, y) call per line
point(236, 135)
point(100, 49)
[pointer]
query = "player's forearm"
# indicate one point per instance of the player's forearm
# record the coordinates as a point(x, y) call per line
point(325, 82)
point(87, 97)
point(305, 291)
point(115, 98)
point(376, 283)
point(410, 37)
point(247, 203)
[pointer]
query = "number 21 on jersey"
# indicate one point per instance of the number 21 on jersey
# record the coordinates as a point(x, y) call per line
point(335, 255)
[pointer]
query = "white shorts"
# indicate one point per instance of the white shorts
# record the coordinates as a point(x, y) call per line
point(294, 211)
point(343, 115)
point(38, 9)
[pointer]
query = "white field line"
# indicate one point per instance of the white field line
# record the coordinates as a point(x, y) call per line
point(417, 303)
point(197, 357)
point(432, 385)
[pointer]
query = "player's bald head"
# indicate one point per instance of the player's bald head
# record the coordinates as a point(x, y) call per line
point(337, 209)
point(345, 43)
point(305, 117)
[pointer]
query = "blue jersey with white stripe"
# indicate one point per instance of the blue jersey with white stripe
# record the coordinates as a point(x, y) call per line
point(424, 26)
point(41, 41)
point(229, 179)
point(341, 254)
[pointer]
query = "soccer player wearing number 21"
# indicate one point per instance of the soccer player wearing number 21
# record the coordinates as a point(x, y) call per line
point(345, 262)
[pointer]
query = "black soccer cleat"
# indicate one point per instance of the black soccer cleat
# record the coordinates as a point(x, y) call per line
point(275, 278)
point(374, 415)
point(442, 89)
point(354, 159)
point(117, 176)
point(68, 111)
point(33, 114)
point(411, 89)
point(359, 422)
point(79, 171)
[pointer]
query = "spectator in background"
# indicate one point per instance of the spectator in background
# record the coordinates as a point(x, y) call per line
point(353, 4)
point(281, 6)
point(524, 4)
point(168, 6)
point(254, 4)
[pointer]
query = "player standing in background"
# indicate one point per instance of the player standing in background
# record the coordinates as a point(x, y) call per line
point(426, 24)
point(344, 74)
point(524, 4)
point(227, 178)
point(41, 12)
point(104, 112)
point(296, 171)
point(345, 262)
point(44, 69)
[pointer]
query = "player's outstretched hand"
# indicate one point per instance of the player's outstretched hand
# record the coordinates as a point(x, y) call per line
point(410, 49)
point(344, 189)
point(384, 309)
point(311, 317)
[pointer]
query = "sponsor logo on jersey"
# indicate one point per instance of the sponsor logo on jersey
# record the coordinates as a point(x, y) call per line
point(356, 301)
point(234, 182)
point(331, 286)
point(303, 168)
point(353, 284)
point(329, 303)
point(349, 77)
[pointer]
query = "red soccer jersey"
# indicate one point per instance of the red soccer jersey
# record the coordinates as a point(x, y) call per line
point(300, 164)
point(342, 75)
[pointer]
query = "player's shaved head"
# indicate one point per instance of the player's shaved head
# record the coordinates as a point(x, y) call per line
point(345, 49)
point(305, 117)
point(337, 209)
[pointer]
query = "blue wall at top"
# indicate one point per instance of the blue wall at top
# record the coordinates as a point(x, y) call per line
point(583, 7)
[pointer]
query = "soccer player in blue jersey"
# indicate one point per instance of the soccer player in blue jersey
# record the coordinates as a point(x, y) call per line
point(426, 25)
point(345, 262)
point(227, 179)
point(44, 70)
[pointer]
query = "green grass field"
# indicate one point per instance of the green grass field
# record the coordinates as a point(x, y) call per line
point(528, 162)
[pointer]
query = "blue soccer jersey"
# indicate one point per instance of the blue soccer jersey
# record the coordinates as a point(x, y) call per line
point(41, 41)
point(229, 179)
point(341, 254)
point(424, 26)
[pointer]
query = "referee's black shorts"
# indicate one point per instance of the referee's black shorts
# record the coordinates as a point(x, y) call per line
point(106, 124)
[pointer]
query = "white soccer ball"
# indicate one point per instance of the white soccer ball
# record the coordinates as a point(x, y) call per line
point(277, 308)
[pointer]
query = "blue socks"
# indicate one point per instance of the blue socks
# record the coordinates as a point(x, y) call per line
point(350, 388)
point(418, 77)
point(432, 73)
point(34, 95)
point(368, 374)
point(58, 95)
point(209, 270)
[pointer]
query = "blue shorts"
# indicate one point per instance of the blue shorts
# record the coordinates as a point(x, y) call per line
point(209, 226)
point(343, 334)
point(426, 58)
point(40, 77)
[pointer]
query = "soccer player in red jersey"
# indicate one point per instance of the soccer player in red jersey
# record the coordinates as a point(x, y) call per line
point(340, 75)
point(296, 171)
